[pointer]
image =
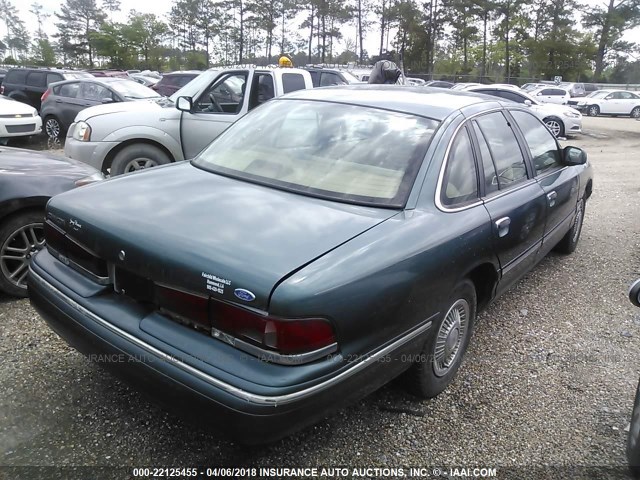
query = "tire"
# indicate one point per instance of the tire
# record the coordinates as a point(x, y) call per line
point(635, 113)
point(633, 439)
point(432, 372)
point(593, 110)
point(570, 241)
point(17, 249)
point(53, 127)
point(138, 157)
point(555, 125)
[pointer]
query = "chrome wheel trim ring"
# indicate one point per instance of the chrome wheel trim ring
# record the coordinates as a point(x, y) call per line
point(451, 334)
point(17, 250)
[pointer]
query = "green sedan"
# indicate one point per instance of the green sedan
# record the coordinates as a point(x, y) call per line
point(329, 241)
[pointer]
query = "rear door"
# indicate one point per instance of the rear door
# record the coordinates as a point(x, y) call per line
point(67, 102)
point(560, 183)
point(36, 86)
point(219, 105)
point(514, 199)
point(628, 102)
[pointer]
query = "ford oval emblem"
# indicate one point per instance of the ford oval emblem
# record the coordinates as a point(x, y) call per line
point(245, 295)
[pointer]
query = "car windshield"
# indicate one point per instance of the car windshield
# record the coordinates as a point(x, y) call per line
point(131, 89)
point(193, 88)
point(350, 78)
point(598, 94)
point(341, 152)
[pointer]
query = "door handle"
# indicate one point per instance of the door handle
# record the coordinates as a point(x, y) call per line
point(58, 100)
point(503, 226)
point(551, 198)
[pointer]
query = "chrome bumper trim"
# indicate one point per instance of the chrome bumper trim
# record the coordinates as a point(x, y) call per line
point(274, 400)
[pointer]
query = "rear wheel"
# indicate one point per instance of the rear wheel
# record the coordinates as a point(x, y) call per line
point(138, 157)
point(21, 237)
point(443, 352)
point(593, 111)
point(52, 127)
point(555, 125)
point(635, 113)
point(569, 242)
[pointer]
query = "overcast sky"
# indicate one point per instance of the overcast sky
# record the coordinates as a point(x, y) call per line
point(162, 8)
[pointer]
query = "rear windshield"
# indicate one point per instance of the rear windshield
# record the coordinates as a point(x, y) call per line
point(340, 152)
point(131, 89)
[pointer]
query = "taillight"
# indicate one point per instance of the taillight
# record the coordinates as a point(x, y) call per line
point(2, 90)
point(68, 250)
point(280, 335)
point(45, 95)
point(189, 308)
point(271, 335)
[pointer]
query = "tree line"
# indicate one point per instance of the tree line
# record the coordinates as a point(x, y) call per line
point(490, 40)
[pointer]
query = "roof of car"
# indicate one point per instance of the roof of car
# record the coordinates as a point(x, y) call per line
point(104, 80)
point(434, 103)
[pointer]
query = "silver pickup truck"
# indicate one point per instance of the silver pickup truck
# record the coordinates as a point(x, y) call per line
point(123, 137)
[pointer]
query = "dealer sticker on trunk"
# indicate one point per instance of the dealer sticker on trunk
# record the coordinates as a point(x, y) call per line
point(214, 283)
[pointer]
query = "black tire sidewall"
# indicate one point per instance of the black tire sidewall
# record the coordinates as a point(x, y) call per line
point(568, 244)
point(7, 227)
point(427, 383)
point(132, 152)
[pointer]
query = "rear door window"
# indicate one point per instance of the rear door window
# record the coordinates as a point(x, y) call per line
point(292, 82)
point(68, 90)
point(94, 92)
point(330, 78)
point(54, 77)
point(488, 165)
point(505, 149)
point(460, 182)
point(36, 79)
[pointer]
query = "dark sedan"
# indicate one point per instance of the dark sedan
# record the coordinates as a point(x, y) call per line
point(27, 181)
point(63, 100)
point(324, 244)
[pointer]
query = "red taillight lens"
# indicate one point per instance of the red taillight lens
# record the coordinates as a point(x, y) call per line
point(187, 306)
point(45, 95)
point(284, 336)
point(2, 90)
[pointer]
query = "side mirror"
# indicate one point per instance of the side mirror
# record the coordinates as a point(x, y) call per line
point(184, 104)
point(107, 100)
point(528, 103)
point(574, 156)
point(634, 293)
point(539, 94)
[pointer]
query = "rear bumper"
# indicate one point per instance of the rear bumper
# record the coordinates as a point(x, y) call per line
point(250, 411)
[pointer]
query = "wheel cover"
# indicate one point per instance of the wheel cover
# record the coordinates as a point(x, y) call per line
point(555, 127)
point(593, 111)
point(52, 127)
point(452, 332)
point(140, 164)
point(577, 225)
point(635, 113)
point(17, 250)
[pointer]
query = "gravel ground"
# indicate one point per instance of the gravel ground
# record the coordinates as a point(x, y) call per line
point(548, 380)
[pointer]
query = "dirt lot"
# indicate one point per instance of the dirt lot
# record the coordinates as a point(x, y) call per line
point(548, 380)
